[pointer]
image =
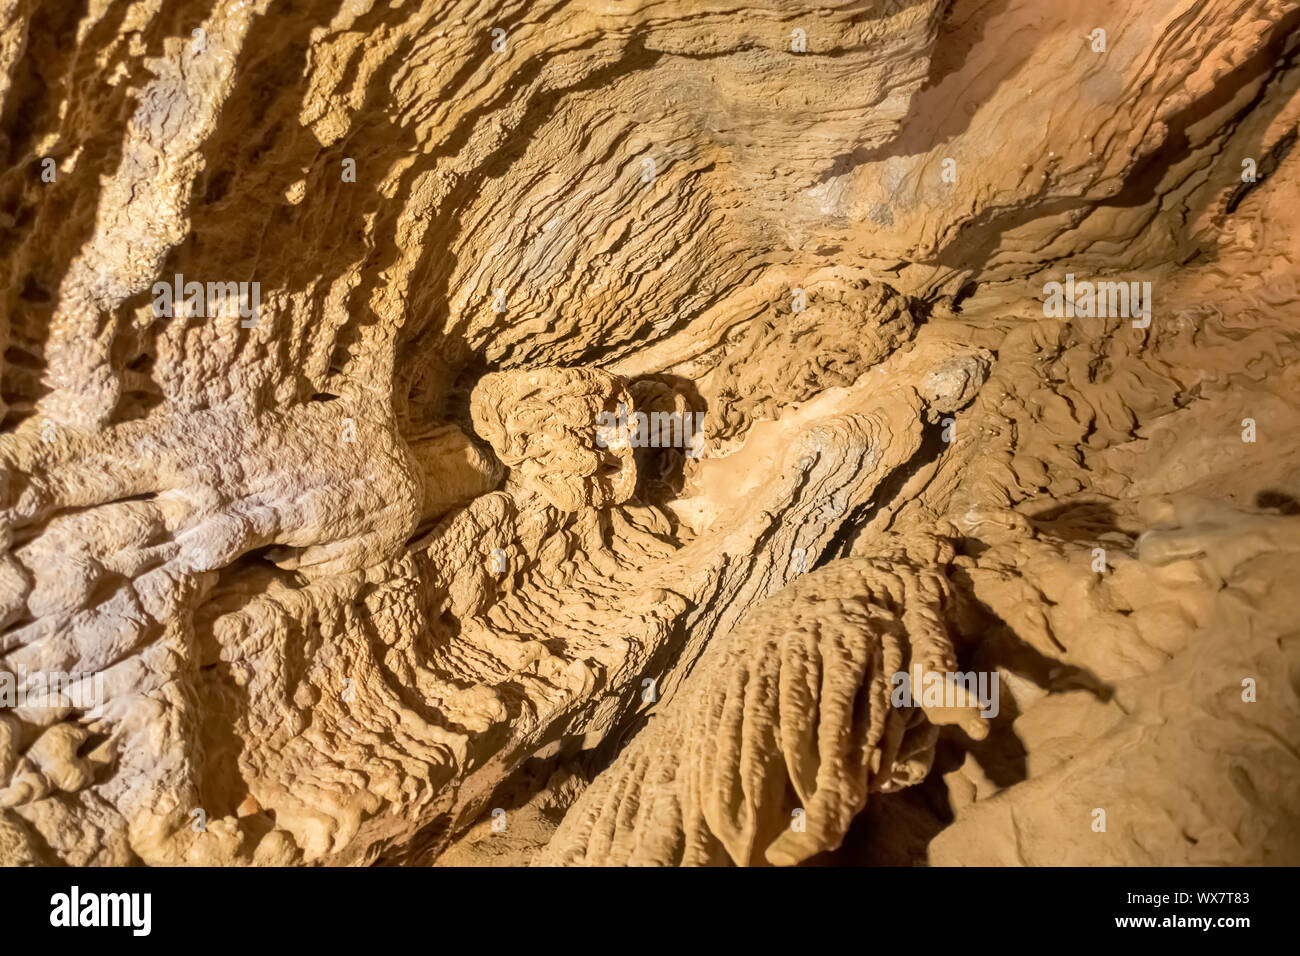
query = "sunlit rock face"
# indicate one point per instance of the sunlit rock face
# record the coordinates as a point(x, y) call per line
point(547, 432)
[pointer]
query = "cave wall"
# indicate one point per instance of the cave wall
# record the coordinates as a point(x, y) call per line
point(351, 568)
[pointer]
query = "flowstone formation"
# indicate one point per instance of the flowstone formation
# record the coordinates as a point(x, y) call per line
point(539, 424)
point(789, 715)
point(680, 433)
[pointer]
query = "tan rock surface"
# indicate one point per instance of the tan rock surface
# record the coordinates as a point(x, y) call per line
point(339, 567)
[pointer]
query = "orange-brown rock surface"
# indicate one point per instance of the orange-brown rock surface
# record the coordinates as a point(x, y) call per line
point(543, 432)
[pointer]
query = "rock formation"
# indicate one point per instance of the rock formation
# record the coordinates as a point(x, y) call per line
point(576, 432)
point(798, 698)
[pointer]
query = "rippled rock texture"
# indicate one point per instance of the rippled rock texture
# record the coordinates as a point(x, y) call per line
point(545, 432)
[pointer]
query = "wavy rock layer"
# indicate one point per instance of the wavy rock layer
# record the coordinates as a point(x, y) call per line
point(787, 716)
point(343, 570)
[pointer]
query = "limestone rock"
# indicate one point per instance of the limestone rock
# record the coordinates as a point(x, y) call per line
point(324, 537)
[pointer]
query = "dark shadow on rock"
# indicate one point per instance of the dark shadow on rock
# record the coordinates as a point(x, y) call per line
point(1278, 501)
point(1077, 521)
